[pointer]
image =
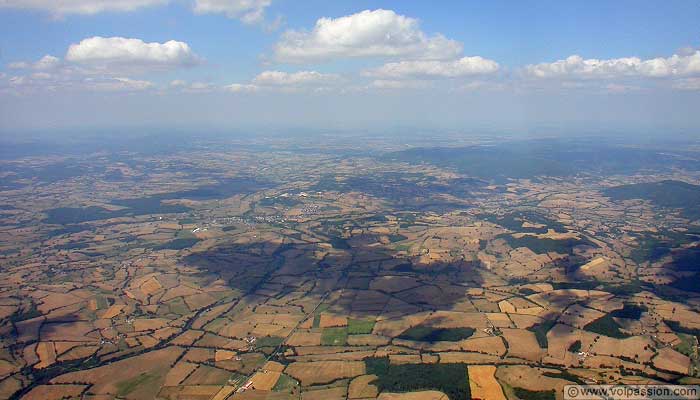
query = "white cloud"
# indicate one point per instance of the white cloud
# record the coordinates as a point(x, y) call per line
point(435, 69)
point(248, 11)
point(577, 67)
point(123, 53)
point(278, 78)
point(194, 87)
point(104, 64)
point(117, 84)
point(200, 86)
point(178, 83)
point(96, 65)
point(398, 84)
point(490, 85)
point(42, 81)
point(47, 62)
point(238, 88)
point(86, 7)
point(378, 33)
point(287, 82)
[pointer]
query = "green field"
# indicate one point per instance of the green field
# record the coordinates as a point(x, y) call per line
point(285, 384)
point(541, 332)
point(687, 344)
point(177, 244)
point(607, 326)
point(317, 314)
point(360, 326)
point(268, 341)
point(334, 336)
point(525, 394)
point(451, 379)
point(128, 386)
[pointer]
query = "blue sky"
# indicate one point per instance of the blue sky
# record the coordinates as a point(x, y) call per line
point(231, 63)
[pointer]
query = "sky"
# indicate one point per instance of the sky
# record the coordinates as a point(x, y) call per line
point(517, 66)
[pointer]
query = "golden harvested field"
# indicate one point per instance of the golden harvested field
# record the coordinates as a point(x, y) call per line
point(78, 352)
point(338, 393)
point(671, 360)
point(530, 378)
point(483, 384)
point(522, 344)
point(46, 353)
point(112, 311)
point(394, 327)
point(54, 392)
point(57, 300)
point(224, 393)
point(329, 320)
point(300, 338)
point(204, 392)
point(422, 395)
point(361, 387)
point(638, 348)
point(151, 286)
point(106, 379)
point(221, 355)
point(206, 375)
point(265, 379)
point(273, 366)
point(579, 316)
point(199, 300)
point(143, 324)
point(187, 338)
point(178, 373)
point(311, 373)
point(489, 344)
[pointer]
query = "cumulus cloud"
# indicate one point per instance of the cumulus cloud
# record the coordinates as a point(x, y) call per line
point(577, 67)
point(193, 87)
point(481, 85)
point(278, 78)
point(398, 84)
point(435, 69)
point(178, 83)
point(85, 7)
point(104, 64)
point(117, 84)
point(42, 81)
point(248, 11)
point(241, 87)
point(286, 81)
point(119, 52)
point(378, 33)
point(46, 63)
